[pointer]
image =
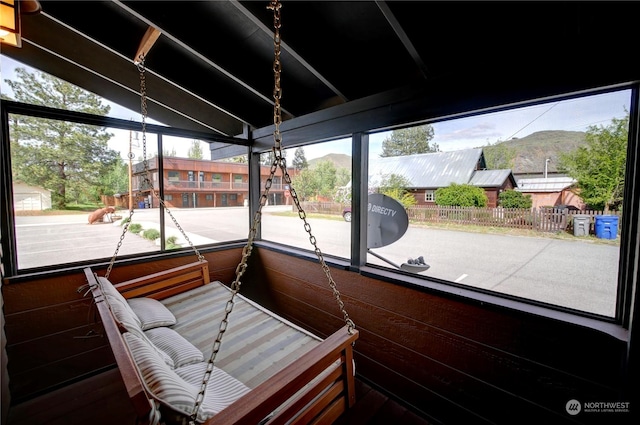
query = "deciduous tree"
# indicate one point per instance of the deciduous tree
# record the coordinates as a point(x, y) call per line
point(599, 167)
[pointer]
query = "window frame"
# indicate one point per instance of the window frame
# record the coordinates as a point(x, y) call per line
point(628, 265)
point(431, 198)
point(7, 221)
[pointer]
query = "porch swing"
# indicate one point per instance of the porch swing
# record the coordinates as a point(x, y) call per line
point(150, 322)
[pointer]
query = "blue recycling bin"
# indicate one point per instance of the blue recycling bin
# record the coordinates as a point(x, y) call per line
point(606, 226)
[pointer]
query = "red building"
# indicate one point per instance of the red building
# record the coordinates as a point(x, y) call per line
point(200, 183)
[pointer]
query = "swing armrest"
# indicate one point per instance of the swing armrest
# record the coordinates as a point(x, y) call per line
point(126, 365)
point(167, 282)
point(320, 384)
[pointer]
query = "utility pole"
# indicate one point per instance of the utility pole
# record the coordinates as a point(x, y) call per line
point(130, 174)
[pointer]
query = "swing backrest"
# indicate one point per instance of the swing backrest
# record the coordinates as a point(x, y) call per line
point(167, 282)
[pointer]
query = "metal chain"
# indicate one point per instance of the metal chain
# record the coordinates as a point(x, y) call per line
point(147, 182)
point(125, 227)
point(278, 162)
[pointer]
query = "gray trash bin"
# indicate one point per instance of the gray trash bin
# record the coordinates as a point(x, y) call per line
point(581, 224)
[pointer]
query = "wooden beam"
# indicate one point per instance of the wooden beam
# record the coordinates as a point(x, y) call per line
point(148, 40)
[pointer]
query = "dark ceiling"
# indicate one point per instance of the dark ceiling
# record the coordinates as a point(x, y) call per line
point(211, 67)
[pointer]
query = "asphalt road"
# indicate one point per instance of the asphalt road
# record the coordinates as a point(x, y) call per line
point(573, 273)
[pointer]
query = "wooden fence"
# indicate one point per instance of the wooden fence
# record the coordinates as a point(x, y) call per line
point(542, 219)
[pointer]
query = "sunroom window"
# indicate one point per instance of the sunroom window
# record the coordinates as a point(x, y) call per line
point(527, 202)
point(320, 179)
point(72, 194)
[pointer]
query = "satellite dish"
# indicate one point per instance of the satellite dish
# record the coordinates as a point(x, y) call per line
point(387, 220)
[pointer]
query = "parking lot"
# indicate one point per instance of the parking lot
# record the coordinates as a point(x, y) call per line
point(574, 273)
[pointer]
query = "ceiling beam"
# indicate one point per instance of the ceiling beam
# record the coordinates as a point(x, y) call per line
point(148, 40)
point(196, 54)
point(285, 47)
point(404, 39)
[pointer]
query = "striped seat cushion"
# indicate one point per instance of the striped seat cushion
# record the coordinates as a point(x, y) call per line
point(120, 308)
point(181, 351)
point(257, 342)
point(151, 313)
point(125, 316)
point(177, 389)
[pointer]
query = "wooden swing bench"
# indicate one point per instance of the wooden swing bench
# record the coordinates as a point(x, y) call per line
point(315, 388)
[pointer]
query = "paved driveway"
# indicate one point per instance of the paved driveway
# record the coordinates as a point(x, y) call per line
point(572, 273)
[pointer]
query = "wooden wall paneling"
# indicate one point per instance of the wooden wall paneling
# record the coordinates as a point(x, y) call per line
point(34, 382)
point(556, 344)
point(38, 353)
point(5, 394)
point(430, 356)
point(427, 403)
point(47, 311)
point(41, 291)
point(222, 266)
point(421, 374)
point(37, 323)
point(454, 335)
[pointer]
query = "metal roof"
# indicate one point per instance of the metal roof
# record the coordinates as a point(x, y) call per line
point(491, 178)
point(428, 170)
point(550, 184)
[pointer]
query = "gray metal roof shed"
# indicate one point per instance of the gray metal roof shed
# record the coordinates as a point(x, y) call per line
point(492, 178)
point(429, 170)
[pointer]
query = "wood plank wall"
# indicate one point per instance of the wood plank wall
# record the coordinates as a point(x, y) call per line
point(453, 361)
point(52, 335)
point(450, 360)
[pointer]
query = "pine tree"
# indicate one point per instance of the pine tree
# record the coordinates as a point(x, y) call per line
point(299, 160)
point(61, 156)
point(409, 141)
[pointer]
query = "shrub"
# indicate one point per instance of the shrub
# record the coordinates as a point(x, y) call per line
point(135, 228)
point(514, 199)
point(461, 195)
point(151, 234)
point(170, 243)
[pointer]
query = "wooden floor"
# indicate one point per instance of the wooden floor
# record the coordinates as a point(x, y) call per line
point(102, 400)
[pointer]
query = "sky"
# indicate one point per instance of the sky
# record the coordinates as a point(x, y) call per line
point(455, 134)
point(465, 133)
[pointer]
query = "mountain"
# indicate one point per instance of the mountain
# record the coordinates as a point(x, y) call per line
point(529, 153)
point(339, 160)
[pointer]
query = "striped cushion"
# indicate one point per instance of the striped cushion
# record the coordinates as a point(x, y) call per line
point(181, 351)
point(119, 306)
point(222, 388)
point(152, 313)
point(123, 313)
point(177, 389)
point(126, 317)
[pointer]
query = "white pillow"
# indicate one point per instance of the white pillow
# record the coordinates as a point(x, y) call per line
point(151, 313)
point(174, 390)
point(181, 351)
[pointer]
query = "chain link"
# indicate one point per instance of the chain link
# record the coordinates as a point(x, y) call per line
point(147, 183)
point(279, 162)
